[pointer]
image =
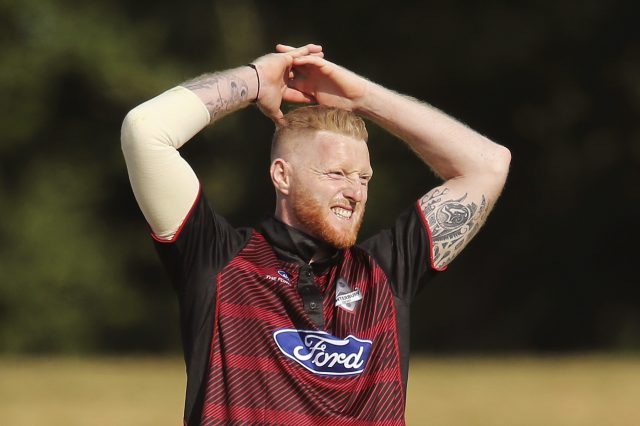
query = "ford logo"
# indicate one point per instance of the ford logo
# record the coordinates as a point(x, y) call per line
point(322, 353)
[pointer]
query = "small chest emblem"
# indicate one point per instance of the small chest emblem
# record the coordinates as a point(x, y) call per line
point(282, 277)
point(346, 298)
point(283, 274)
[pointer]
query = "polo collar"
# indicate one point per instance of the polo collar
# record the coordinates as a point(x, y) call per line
point(293, 245)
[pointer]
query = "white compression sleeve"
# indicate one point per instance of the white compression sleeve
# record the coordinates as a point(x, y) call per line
point(163, 183)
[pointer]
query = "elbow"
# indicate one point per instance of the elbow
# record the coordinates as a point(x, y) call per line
point(136, 129)
point(501, 161)
point(127, 131)
point(494, 166)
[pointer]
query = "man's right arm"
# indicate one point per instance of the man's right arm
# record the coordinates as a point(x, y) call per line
point(163, 183)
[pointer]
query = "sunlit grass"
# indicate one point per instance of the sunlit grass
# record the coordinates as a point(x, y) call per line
point(96, 392)
point(566, 391)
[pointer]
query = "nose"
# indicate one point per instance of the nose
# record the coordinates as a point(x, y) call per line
point(355, 191)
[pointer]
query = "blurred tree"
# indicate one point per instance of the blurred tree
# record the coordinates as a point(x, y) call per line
point(69, 72)
point(557, 82)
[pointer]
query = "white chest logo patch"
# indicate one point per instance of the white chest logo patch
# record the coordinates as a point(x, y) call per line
point(346, 298)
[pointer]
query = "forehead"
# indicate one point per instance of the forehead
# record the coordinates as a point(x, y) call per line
point(326, 149)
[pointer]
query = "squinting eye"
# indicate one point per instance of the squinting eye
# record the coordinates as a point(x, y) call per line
point(336, 175)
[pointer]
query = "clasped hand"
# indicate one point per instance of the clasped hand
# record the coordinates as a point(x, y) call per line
point(302, 75)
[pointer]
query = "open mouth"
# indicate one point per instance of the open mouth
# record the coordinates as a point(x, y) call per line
point(342, 213)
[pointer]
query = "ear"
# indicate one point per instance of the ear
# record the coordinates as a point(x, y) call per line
point(281, 175)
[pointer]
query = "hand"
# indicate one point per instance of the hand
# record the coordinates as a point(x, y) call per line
point(275, 73)
point(325, 82)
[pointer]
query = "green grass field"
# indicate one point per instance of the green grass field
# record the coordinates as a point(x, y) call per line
point(567, 391)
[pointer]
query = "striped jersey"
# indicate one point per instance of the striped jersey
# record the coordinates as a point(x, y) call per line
point(272, 339)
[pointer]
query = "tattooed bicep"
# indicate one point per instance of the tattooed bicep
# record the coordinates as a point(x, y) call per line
point(453, 221)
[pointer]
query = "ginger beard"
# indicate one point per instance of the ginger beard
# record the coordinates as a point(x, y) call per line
point(313, 217)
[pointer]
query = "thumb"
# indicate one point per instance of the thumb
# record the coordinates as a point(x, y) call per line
point(274, 114)
point(278, 119)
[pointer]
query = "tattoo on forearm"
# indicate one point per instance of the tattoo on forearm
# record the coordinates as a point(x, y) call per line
point(226, 91)
point(452, 222)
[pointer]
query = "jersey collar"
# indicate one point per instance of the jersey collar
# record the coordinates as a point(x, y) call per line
point(296, 246)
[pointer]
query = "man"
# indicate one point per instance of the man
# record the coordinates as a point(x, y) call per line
point(291, 323)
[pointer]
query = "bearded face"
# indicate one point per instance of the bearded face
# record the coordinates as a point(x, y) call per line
point(336, 223)
point(329, 186)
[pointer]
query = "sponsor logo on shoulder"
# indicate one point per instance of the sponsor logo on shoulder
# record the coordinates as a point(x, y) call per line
point(346, 298)
point(282, 277)
point(322, 353)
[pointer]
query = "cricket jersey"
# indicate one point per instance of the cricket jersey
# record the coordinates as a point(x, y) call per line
point(271, 338)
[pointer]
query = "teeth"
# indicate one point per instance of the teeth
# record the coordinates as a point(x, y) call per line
point(343, 213)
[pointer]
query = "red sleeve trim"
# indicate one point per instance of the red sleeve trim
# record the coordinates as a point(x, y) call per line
point(184, 221)
point(426, 226)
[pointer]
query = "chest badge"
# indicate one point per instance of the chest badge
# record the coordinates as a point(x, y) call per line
point(284, 274)
point(282, 277)
point(346, 298)
point(322, 353)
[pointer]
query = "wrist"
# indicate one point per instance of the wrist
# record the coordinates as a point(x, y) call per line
point(257, 86)
point(362, 104)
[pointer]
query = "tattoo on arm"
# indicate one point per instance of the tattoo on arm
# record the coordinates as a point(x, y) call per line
point(453, 223)
point(224, 92)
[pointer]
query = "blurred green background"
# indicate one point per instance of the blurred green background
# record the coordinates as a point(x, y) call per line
point(557, 82)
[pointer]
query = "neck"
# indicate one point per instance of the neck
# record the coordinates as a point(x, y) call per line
point(307, 248)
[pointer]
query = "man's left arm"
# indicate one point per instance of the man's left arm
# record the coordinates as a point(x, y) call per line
point(473, 168)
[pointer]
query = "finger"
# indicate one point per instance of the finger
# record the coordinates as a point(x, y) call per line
point(301, 85)
point(319, 54)
point(303, 69)
point(283, 48)
point(279, 119)
point(275, 115)
point(296, 96)
point(304, 50)
point(316, 60)
point(314, 48)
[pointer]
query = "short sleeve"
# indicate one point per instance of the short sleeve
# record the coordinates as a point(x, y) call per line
point(204, 244)
point(404, 252)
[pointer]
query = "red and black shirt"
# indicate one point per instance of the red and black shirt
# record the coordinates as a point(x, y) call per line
point(272, 339)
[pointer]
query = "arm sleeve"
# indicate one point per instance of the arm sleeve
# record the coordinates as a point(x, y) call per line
point(404, 253)
point(163, 183)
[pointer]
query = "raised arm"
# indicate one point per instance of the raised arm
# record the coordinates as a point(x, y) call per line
point(268, 78)
point(474, 169)
point(163, 183)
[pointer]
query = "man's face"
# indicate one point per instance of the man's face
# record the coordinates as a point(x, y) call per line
point(330, 178)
